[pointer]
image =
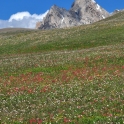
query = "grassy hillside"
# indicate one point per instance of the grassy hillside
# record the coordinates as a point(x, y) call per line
point(32, 41)
point(73, 76)
point(116, 17)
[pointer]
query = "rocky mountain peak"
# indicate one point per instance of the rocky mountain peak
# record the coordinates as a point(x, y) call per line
point(89, 11)
point(54, 8)
point(81, 12)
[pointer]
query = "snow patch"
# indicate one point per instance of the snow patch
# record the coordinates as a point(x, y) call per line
point(62, 19)
point(93, 1)
point(98, 7)
point(103, 16)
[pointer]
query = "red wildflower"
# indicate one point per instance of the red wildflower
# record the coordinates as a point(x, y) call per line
point(39, 121)
point(66, 120)
point(30, 91)
point(33, 121)
point(36, 121)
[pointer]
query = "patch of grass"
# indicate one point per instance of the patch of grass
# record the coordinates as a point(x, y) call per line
point(73, 75)
point(82, 37)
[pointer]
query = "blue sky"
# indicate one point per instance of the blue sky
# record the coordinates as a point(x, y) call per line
point(10, 7)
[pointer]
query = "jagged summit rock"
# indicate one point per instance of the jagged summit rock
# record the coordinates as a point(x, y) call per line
point(57, 18)
point(81, 12)
point(88, 11)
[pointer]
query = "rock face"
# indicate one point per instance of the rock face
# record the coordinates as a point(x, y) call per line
point(57, 18)
point(81, 12)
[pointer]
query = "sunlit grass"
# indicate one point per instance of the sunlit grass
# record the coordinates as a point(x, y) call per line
point(73, 76)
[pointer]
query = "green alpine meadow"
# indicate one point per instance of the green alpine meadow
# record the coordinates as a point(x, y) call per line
point(63, 76)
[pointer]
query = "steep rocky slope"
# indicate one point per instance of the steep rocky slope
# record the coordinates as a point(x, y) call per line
point(81, 12)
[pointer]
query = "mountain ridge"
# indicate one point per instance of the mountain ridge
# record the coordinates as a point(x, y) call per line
point(81, 12)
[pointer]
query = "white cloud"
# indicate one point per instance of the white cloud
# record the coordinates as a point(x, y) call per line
point(19, 16)
point(22, 20)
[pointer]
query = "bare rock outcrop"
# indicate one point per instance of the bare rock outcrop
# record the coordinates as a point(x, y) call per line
point(81, 12)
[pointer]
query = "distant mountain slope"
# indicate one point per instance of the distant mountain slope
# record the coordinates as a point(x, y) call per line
point(58, 18)
point(104, 32)
point(5, 30)
point(118, 16)
point(81, 12)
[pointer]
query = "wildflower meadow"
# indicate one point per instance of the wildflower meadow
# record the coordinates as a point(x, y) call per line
point(73, 76)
